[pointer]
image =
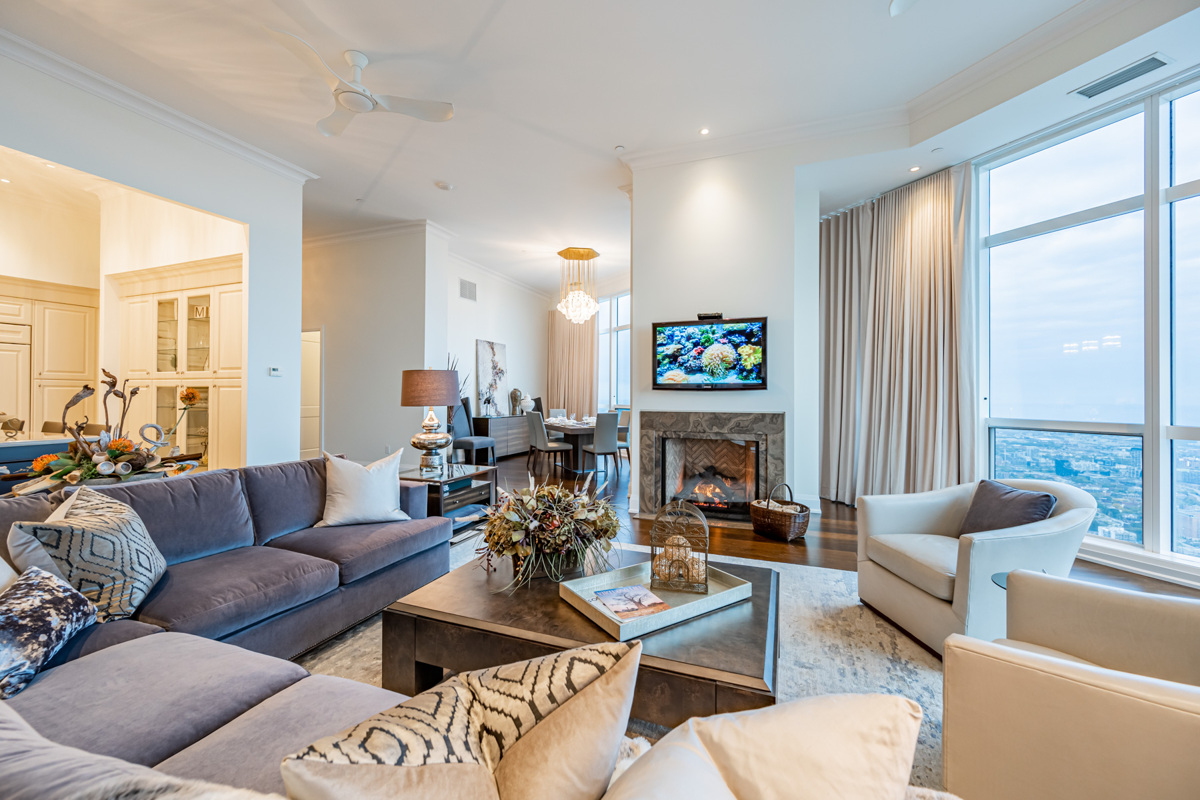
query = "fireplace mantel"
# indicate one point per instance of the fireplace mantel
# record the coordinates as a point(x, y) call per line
point(655, 426)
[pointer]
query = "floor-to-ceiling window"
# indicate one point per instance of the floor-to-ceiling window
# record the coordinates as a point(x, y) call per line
point(1091, 317)
point(613, 332)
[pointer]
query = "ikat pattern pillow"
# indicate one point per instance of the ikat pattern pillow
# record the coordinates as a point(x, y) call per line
point(98, 545)
point(38, 615)
point(544, 729)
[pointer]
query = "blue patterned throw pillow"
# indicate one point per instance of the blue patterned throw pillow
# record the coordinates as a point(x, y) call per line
point(98, 545)
point(38, 615)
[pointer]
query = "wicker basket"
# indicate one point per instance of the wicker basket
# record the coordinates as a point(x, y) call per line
point(779, 519)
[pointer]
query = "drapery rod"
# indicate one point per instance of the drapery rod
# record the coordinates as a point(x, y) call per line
point(844, 209)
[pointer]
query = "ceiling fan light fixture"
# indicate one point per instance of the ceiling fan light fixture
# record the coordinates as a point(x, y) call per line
point(357, 102)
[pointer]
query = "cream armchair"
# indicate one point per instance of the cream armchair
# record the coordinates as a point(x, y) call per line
point(915, 569)
point(1096, 694)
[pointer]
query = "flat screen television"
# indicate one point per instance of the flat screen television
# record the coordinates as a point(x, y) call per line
point(721, 354)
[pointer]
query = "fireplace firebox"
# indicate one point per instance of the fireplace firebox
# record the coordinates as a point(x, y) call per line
point(718, 476)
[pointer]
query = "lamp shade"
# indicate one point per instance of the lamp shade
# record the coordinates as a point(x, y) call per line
point(429, 387)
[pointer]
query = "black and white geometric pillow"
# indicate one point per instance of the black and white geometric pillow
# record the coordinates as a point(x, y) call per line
point(98, 545)
point(38, 615)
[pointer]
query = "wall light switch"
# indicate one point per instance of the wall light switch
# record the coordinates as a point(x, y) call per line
point(275, 372)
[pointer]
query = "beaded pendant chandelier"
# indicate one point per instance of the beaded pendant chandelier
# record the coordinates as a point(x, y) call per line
point(577, 291)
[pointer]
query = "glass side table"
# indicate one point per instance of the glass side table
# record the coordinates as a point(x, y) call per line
point(1001, 578)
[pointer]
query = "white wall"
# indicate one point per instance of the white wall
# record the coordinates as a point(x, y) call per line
point(505, 312)
point(43, 240)
point(70, 126)
point(367, 296)
point(138, 231)
point(720, 235)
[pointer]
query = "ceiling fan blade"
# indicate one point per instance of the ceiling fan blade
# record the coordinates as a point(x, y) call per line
point(305, 52)
point(428, 110)
point(898, 7)
point(336, 122)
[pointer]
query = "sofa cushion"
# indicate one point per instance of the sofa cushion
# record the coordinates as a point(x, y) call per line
point(34, 768)
point(100, 546)
point(97, 637)
point(995, 506)
point(147, 699)
point(34, 508)
point(38, 615)
point(192, 516)
point(925, 560)
point(219, 594)
point(247, 751)
point(360, 550)
point(357, 494)
point(285, 497)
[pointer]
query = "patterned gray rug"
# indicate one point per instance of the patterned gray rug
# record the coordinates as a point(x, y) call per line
point(830, 644)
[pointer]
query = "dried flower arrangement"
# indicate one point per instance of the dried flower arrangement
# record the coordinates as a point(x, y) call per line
point(549, 529)
point(112, 456)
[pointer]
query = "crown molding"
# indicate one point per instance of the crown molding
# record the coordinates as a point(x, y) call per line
point(381, 231)
point(50, 63)
point(520, 284)
point(1051, 34)
point(884, 119)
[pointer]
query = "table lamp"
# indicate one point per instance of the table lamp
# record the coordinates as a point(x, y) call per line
point(433, 388)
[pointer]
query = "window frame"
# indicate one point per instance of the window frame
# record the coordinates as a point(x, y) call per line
point(1157, 431)
point(612, 328)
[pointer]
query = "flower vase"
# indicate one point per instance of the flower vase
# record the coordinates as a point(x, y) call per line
point(571, 565)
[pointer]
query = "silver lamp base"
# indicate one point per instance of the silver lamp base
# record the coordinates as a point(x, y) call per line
point(431, 443)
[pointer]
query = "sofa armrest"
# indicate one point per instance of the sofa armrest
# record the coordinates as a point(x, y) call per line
point(414, 499)
point(1020, 724)
point(940, 511)
point(1146, 634)
point(1049, 545)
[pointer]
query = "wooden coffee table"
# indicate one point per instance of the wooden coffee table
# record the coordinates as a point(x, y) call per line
point(723, 661)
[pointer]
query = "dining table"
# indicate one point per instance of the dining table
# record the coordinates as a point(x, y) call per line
point(577, 434)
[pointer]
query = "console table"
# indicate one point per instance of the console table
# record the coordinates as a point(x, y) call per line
point(511, 433)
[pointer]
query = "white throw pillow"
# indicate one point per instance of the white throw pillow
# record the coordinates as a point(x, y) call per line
point(8, 575)
point(852, 747)
point(356, 494)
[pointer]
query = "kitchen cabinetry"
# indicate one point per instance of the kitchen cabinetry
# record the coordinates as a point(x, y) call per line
point(192, 334)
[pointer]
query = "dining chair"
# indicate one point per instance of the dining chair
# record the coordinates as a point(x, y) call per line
point(464, 438)
point(539, 443)
point(604, 440)
point(553, 436)
point(623, 436)
point(558, 413)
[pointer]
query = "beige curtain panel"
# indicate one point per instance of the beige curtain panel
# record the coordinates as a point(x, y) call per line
point(898, 324)
point(571, 369)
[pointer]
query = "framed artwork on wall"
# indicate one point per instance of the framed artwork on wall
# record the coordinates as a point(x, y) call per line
point(491, 365)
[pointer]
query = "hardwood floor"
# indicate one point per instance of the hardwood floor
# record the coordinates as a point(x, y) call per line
point(832, 539)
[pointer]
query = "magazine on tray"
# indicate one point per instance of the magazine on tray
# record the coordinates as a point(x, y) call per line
point(628, 602)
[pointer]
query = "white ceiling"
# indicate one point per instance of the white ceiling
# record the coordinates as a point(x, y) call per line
point(543, 92)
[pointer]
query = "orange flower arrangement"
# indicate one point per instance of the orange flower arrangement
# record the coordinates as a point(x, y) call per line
point(41, 463)
point(189, 397)
point(121, 445)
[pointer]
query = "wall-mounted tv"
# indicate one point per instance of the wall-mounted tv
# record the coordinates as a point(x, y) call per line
point(717, 354)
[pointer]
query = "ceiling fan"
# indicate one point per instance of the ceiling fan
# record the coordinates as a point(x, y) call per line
point(898, 7)
point(350, 97)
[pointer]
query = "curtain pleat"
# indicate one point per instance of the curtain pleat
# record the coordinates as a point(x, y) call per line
point(897, 296)
point(571, 368)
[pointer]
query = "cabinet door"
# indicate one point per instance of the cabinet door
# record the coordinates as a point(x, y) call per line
point(138, 338)
point(225, 425)
point(141, 410)
point(64, 342)
point(227, 345)
point(49, 398)
point(166, 411)
point(197, 334)
point(16, 310)
point(14, 386)
point(166, 348)
point(194, 431)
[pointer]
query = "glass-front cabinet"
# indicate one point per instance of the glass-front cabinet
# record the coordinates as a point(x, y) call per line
point(198, 333)
point(167, 349)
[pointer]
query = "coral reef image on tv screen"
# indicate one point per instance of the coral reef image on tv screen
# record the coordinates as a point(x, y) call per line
point(722, 352)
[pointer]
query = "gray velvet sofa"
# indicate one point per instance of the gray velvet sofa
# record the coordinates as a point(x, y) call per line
point(246, 566)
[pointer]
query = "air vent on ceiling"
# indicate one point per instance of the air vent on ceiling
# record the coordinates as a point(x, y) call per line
point(466, 289)
point(1121, 76)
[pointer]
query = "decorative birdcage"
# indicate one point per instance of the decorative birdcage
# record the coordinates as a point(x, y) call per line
point(679, 549)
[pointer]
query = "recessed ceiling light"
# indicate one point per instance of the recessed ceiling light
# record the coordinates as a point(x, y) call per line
point(5, 180)
point(704, 131)
point(937, 149)
point(914, 169)
point(51, 166)
point(444, 186)
point(620, 148)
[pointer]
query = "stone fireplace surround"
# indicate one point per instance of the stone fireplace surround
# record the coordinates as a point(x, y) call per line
point(655, 426)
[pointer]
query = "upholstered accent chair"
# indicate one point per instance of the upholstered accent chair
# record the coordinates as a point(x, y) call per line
point(1095, 693)
point(915, 568)
point(464, 438)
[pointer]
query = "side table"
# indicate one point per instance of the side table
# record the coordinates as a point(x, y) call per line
point(455, 487)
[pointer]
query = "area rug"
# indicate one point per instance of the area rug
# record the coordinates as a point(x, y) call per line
point(829, 644)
